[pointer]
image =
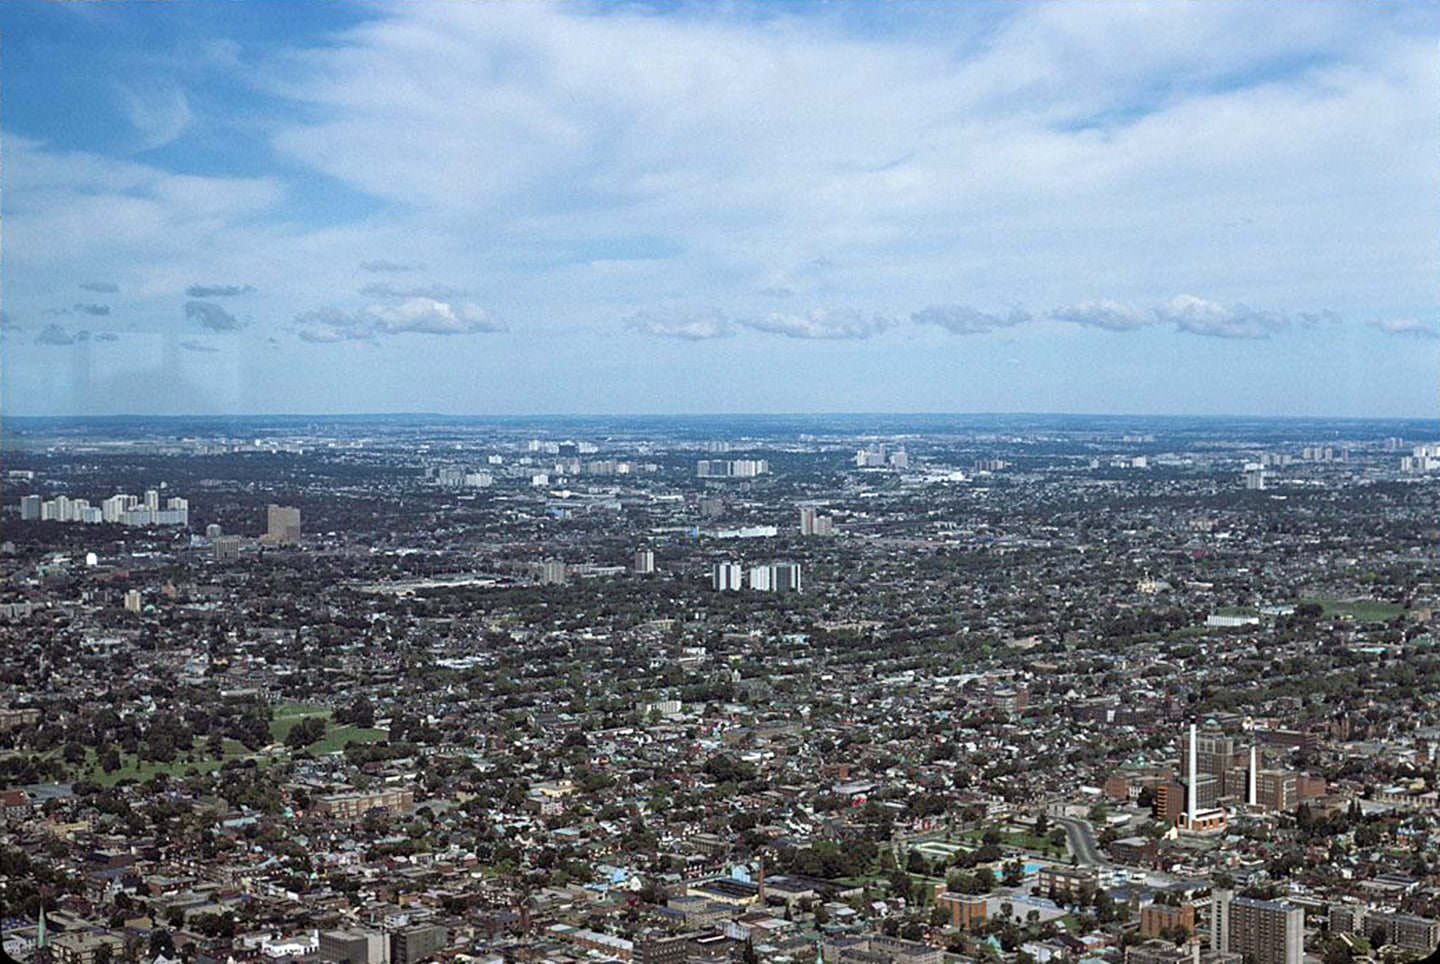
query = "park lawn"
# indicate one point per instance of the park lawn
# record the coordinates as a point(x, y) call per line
point(288, 714)
point(133, 768)
point(1360, 610)
point(1020, 839)
point(335, 738)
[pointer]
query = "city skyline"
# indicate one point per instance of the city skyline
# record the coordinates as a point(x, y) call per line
point(502, 209)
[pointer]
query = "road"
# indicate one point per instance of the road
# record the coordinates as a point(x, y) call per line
point(1081, 837)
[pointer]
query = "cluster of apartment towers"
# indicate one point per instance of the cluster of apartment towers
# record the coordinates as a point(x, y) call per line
point(127, 510)
point(775, 576)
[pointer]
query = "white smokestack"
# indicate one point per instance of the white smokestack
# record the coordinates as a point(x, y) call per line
point(1192, 797)
point(1254, 797)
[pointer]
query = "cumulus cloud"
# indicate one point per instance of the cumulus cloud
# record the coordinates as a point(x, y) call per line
point(383, 265)
point(54, 335)
point(964, 320)
point(687, 326)
point(822, 323)
point(211, 316)
point(199, 346)
point(381, 289)
point(432, 317)
point(1106, 314)
point(100, 287)
point(1412, 327)
point(425, 316)
point(93, 309)
point(218, 291)
point(1199, 316)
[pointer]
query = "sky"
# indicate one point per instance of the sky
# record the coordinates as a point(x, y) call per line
point(532, 208)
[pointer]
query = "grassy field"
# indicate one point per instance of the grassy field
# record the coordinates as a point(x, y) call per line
point(1360, 610)
point(133, 768)
point(1015, 838)
point(199, 759)
point(335, 738)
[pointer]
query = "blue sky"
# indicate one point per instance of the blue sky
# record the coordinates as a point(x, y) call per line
point(461, 207)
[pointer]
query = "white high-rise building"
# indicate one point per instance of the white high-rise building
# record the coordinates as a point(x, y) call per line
point(761, 579)
point(726, 576)
point(113, 508)
point(152, 500)
point(30, 508)
point(644, 561)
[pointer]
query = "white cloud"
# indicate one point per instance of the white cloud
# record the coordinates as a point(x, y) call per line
point(1047, 138)
point(1105, 313)
point(687, 326)
point(159, 113)
point(1407, 326)
point(821, 323)
point(1199, 316)
point(965, 320)
point(416, 315)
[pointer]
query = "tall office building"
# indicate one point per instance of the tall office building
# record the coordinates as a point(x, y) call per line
point(553, 572)
point(1264, 931)
point(30, 508)
point(725, 576)
point(1277, 790)
point(152, 500)
point(644, 561)
point(282, 524)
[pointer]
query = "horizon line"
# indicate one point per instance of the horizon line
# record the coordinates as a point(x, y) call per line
point(718, 414)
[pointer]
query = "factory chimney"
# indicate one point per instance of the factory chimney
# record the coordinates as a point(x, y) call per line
point(1253, 797)
point(1192, 796)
